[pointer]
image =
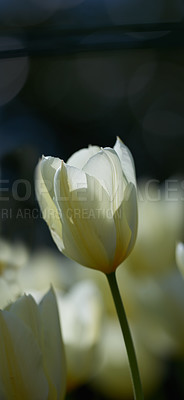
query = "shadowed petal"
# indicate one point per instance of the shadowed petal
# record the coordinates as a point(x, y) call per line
point(44, 182)
point(88, 227)
point(126, 159)
point(126, 224)
point(52, 347)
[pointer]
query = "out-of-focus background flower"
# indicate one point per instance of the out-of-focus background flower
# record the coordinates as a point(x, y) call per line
point(81, 72)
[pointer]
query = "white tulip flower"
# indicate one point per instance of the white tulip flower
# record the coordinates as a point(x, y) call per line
point(90, 204)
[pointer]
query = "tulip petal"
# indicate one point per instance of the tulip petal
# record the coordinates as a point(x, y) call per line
point(126, 224)
point(26, 309)
point(126, 159)
point(44, 179)
point(131, 213)
point(21, 373)
point(80, 158)
point(49, 166)
point(52, 347)
point(105, 166)
point(88, 227)
point(180, 256)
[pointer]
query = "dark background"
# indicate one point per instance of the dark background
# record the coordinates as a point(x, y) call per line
point(68, 102)
point(82, 72)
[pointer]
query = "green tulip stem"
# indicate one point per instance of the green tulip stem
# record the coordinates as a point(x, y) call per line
point(137, 387)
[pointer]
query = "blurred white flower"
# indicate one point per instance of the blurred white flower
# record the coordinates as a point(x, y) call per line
point(180, 256)
point(160, 226)
point(32, 360)
point(81, 312)
point(12, 258)
point(43, 268)
point(80, 308)
point(112, 377)
point(12, 255)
